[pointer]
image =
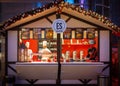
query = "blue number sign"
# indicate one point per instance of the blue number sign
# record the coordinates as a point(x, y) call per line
point(59, 25)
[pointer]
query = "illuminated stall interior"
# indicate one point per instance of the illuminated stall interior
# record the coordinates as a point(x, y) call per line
point(77, 44)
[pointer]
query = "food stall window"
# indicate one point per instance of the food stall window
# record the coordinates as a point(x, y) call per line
point(32, 41)
point(77, 44)
point(81, 47)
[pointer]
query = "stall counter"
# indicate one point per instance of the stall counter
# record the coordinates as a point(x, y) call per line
point(49, 70)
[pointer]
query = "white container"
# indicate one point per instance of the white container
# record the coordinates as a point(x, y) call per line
point(81, 55)
point(67, 55)
point(74, 55)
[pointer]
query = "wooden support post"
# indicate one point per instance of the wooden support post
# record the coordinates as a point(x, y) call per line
point(58, 54)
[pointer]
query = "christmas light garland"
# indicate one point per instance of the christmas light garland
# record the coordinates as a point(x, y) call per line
point(61, 4)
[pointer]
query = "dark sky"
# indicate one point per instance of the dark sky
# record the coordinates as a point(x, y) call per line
point(8, 10)
point(115, 11)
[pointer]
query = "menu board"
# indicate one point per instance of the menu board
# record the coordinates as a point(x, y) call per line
point(25, 34)
point(79, 34)
point(49, 33)
point(37, 33)
point(67, 34)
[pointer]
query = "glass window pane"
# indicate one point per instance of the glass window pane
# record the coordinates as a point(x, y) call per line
point(40, 46)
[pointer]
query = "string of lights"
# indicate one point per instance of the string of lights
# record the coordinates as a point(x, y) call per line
point(61, 4)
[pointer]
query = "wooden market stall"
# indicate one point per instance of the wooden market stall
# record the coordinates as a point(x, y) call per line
point(36, 54)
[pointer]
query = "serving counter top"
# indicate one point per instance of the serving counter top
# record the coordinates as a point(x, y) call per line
point(87, 63)
point(49, 70)
point(62, 63)
point(36, 63)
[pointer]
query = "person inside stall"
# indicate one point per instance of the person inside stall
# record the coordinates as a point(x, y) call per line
point(92, 54)
point(45, 52)
point(28, 52)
